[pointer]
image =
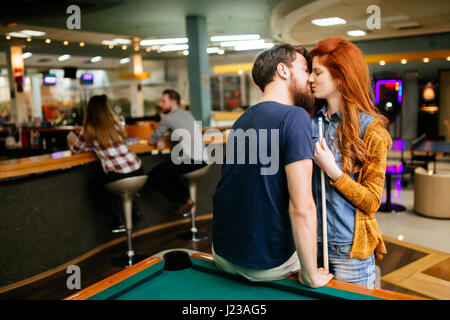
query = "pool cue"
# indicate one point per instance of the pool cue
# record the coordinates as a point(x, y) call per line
point(324, 206)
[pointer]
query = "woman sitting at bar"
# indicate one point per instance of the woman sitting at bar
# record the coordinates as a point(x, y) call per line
point(103, 133)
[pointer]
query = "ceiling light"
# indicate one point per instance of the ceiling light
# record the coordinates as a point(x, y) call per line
point(159, 51)
point(8, 37)
point(122, 41)
point(426, 60)
point(174, 47)
point(29, 39)
point(47, 41)
point(448, 58)
point(244, 47)
point(382, 63)
point(220, 52)
point(136, 48)
point(33, 33)
point(151, 42)
point(26, 55)
point(81, 44)
point(18, 35)
point(111, 46)
point(328, 22)
point(64, 57)
point(400, 237)
point(235, 38)
point(212, 50)
point(124, 47)
point(404, 61)
point(240, 71)
point(356, 33)
point(124, 60)
point(96, 59)
point(65, 42)
point(186, 52)
point(239, 43)
point(148, 49)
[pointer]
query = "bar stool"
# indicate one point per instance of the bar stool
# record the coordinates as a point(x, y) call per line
point(193, 178)
point(126, 190)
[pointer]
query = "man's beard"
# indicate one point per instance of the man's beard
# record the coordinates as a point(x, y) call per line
point(301, 97)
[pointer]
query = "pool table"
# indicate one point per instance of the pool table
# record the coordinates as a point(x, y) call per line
point(191, 275)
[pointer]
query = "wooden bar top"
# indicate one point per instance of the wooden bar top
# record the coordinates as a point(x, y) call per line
point(65, 159)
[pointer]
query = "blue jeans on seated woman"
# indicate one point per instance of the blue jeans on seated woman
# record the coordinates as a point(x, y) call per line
point(343, 268)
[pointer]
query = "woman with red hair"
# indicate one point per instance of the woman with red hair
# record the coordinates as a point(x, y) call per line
point(352, 155)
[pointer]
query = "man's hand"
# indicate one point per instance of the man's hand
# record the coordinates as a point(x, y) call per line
point(320, 279)
point(161, 145)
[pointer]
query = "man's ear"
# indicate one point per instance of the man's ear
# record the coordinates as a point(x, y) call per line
point(283, 71)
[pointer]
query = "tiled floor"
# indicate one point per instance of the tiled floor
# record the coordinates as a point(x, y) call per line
point(411, 227)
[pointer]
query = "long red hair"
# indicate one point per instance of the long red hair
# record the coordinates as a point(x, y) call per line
point(347, 66)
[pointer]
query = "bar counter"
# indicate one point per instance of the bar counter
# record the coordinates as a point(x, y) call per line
point(50, 212)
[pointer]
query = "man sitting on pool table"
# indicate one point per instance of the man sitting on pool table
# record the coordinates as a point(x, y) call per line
point(264, 221)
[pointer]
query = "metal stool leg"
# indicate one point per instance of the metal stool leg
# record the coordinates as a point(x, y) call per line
point(194, 234)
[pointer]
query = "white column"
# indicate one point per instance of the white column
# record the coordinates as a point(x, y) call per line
point(16, 72)
point(36, 96)
point(136, 96)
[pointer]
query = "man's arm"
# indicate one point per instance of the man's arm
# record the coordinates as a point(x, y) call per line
point(159, 131)
point(302, 212)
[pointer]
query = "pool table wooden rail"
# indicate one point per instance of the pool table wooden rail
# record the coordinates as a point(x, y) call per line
point(122, 275)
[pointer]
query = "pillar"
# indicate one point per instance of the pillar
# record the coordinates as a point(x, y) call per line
point(16, 73)
point(198, 69)
point(136, 95)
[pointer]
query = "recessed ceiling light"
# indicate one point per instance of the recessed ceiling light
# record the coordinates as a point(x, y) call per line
point(241, 43)
point(96, 59)
point(382, 63)
point(356, 33)
point(124, 60)
point(253, 47)
point(18, 35)
point(124, 47)
point(404, 61)
point(64, 57)
point(235, 37)
point(26, 55)
point(111, 46)
point(212, 50)
point(47, 41)
point(325, 22)
point(448, 58)
point(186, 52)
point(122, 41)
point(8, 37)
point(148, 49)
point(426, 60)
point(81, 44)
point(136, 48)
point(33, 33)
point(221, 51)
point(151, 42)
point(65, 42)
point(29, 39)
point(174, 47)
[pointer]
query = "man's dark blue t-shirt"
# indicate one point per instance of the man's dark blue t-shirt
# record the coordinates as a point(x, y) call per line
point(251, 225)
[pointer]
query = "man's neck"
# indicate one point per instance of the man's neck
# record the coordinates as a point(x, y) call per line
point(276, 92)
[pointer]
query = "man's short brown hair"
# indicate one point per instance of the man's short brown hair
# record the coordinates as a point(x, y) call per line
point(266, 63)
point(173, 95)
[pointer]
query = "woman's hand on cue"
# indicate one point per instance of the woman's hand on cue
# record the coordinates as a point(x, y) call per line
point(324, 158)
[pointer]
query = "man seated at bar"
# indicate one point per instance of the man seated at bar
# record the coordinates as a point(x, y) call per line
point(103, 132)
point(165, 177)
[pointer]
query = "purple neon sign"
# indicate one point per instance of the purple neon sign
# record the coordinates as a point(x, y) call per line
point(384, 82)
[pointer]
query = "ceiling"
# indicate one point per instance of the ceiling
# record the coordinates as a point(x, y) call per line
point(275, 20)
